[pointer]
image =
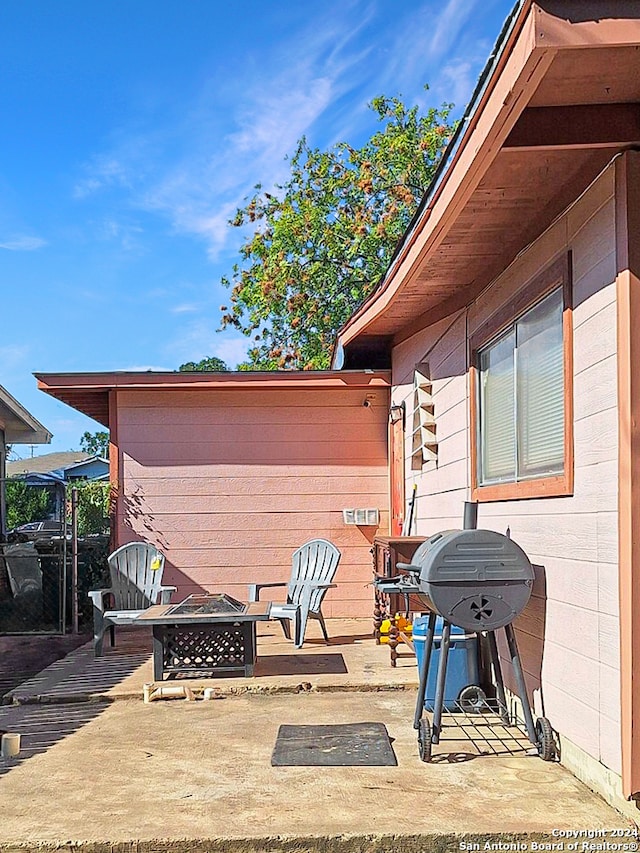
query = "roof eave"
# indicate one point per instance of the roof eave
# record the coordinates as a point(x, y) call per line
point(20, 426)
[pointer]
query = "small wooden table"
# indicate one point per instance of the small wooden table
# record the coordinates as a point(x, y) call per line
point(209, 634)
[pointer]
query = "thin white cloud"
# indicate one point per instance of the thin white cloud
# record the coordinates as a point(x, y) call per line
point(23, 243)
point(231, 350)
point(456, 81)
point(104, 171)
point(196, 176)
point(198, 339)
point(448, 24)
point(186, 308)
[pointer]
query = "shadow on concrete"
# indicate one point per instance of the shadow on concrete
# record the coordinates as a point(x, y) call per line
point(78, 677)
point(23, 656)
point(343, 640)
point(42, 726)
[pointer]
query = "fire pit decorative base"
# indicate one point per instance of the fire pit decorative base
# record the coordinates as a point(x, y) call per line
point(205, 635)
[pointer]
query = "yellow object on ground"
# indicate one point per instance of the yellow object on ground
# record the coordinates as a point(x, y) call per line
point(401, 623)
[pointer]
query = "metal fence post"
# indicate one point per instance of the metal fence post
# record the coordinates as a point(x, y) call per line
point(74, 560)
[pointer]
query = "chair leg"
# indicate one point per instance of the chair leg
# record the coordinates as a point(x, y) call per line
point(98, 632)
point(323, 626)
point(300, 623)
point(286, 628)
point(112, 632)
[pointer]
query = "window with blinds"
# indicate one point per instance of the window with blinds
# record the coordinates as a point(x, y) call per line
point(521, 398)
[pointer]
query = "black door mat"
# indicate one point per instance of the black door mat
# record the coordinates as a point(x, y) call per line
point(352, 744)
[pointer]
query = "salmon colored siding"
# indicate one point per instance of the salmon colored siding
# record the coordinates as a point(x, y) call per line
point(229, 483)
point(569, 633)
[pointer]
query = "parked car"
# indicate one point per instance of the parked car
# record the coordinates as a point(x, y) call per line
point(40, 529)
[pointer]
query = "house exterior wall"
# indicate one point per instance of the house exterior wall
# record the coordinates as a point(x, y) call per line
point(229, 483)
point(88, 471)
point(569, 633)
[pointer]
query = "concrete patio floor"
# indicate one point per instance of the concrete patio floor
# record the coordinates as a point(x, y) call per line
point(116, 774)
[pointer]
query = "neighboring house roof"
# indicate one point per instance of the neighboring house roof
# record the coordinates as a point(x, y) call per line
point(79, 470)
point(20, 427)
point(89, 392)
point(556, 101)
point(48, 463)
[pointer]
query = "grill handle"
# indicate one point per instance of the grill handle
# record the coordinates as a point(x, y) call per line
point(409, 567)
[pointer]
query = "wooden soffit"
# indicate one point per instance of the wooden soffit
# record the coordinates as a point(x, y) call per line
point(89, 392)
point(561, 102)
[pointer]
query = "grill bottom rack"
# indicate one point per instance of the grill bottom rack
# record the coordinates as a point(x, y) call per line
point(476, 710)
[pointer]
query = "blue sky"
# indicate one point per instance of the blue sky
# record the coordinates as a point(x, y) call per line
point(133, 129)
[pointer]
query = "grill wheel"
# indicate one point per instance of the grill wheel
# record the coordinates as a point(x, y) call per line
point(546, 741)
point(424, 740)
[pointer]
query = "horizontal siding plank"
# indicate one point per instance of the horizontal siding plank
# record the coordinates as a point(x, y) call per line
point(608, 594)
point(609, 681)
point(336, 398)
point(354, 415)
point(595, 438)
point(555, 536)
point(256, 558)
point(374, 484)
point(577, 720)
point(213, 435)
point(572, 672)
point(594, 240)
point(293, 452)
point(596, 390)
point(572, 628)
point(595, 340)
point(416, 349)
point(598, 195)
point(252, 540)
point(595, 289)
point(167, 505)
point(610, 744)
point(312, 469)
point(609, 640)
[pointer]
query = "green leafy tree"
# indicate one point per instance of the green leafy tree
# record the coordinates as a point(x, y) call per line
point(325, 238)
point(27, 503)
point(207, 365)
point(95, 443)
point(93, 506)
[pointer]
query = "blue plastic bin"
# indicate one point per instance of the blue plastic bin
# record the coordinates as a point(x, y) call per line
point(462, 665)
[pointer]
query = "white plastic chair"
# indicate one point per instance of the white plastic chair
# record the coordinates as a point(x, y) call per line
point(136, 577)
point(314, 565)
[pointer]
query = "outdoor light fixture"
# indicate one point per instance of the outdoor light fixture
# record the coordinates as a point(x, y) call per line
point(397, 413)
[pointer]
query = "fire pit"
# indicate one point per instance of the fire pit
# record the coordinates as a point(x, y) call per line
point(205, 635)
point(207, 605)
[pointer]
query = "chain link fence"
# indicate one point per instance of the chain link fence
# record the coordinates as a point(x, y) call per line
point(49, 557)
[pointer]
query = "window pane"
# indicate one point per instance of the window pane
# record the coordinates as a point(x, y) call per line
point(540, 383)
point(497, 411)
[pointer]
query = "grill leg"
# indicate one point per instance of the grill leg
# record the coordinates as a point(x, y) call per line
point(423, 675)
point(442, 675)
point(522, 688)
point(497, 674)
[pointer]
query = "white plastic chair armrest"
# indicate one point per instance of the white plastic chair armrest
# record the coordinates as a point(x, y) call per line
point(254, 589)
point(98, 596)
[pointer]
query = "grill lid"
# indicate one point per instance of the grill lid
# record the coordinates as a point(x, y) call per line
point(472, 557)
